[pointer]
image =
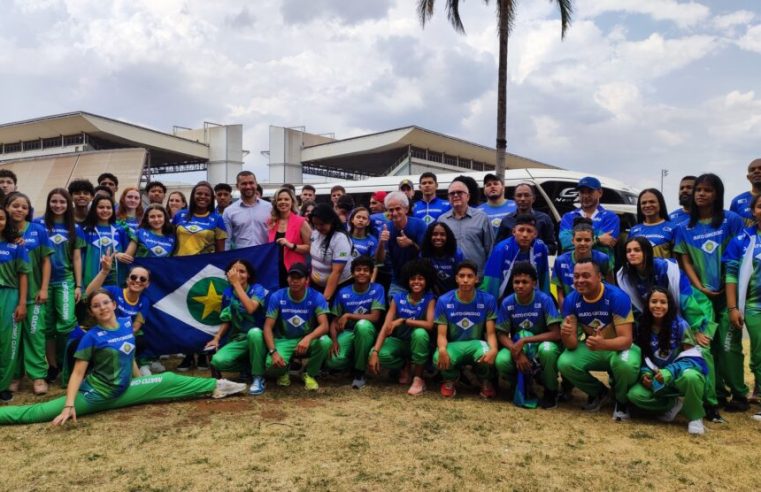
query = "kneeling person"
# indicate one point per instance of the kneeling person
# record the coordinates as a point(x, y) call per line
point(528, 327)
point(297, 319)
point(597, 334)
point(466, 335)
point(357, 309)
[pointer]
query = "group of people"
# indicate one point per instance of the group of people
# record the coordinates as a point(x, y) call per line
point(425, 288)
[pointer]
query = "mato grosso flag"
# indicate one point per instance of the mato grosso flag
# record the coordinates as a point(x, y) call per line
point(185, 295)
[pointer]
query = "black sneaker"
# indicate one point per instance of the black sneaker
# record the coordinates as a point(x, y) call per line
point(53, 373)
point(186, 364)
point(203, 362)
point(6, 396)
point(549, 399)
point(713, 416)
point(737, 405)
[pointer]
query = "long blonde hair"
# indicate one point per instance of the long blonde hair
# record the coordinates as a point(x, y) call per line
point(294, 210)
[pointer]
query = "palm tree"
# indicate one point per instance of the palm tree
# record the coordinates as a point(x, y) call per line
point(505, 17)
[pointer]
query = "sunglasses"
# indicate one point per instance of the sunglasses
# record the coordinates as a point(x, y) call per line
point(138, 278)
point(457, 192)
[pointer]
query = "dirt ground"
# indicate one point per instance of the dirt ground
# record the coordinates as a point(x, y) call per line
point(375, 439)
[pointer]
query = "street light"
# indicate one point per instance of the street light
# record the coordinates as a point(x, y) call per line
point(664, 173)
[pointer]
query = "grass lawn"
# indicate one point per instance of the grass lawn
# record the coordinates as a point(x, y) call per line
point(374, 439)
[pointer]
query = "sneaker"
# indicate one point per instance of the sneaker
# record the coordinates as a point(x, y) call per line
point(145, 370)
point(405, 377)
point(226, 388)
point(257, 387)
point(284, 380)
point(203, 362)
point(713, 416)
point(594, 403)
point(359, 382)
point(487, 390)
point(756, 416)
point(621, 412)
point(448, 389)
point(695, 427)
point(6, 396)
point(53, 373)
point(418, 386)
point(157, 367)
point(755, 397)
point(40, 387)
point(186, 364)
point(14, 386)
point(671, 414)
point(549, 399)
point(310, 383)
point(737, 405)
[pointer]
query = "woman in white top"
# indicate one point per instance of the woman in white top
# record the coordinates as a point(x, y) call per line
point(330, 251)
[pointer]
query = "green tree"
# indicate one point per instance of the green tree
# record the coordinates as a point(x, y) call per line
point(505, 17)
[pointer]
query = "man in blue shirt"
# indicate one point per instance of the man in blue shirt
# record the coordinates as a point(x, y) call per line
point(597, 334)
point(496, 206)
point(607, 225)
point(741, 203)
point(682, 214)
point(429, 207)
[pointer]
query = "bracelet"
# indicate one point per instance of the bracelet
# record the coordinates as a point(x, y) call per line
point(733, 308)
point(293, 247)
point(77, 286)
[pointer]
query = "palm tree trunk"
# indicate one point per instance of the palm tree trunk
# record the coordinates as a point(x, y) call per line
point(502, 88)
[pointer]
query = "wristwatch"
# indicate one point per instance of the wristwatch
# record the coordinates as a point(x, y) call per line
point(272, 351)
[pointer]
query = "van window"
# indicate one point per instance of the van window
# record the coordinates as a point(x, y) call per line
point(565, 196)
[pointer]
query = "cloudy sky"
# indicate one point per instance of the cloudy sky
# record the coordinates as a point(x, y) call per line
point(636, 85)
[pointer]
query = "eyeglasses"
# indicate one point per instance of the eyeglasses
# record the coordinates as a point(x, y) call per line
point(138, 278)
point(457, 193)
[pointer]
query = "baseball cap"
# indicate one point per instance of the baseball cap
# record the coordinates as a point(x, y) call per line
point(492, 177)
point(589, 182)
point(379, 196)
point(406, 182)
point(298, 269)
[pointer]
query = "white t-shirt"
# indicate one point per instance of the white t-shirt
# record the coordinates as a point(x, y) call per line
point(339, 251)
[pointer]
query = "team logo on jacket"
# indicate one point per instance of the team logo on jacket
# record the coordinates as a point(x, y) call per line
point(57, 239)
point(361, 310)
point(194, 228)
point(465, 324)
point(158, 251)
point(102, 242)
point(127, 348)
point(296, 320)
point(526, 324)
point(709, 246)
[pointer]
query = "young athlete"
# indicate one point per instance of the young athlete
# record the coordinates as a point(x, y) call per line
point(357, 309)
point(700, 244)
point(528, 329)
point(562, 269)
point(200, 229)
point(296, 324)
point(653, 222)
point(155, 237)
point(103, 375)
point(65, 289)
point(523, 246)
point(465, 331)
point(743, 283)
point(175, 202)
point(130, 209)
point(597, 334)
point(404, 341)
point(440, 247)
point(673, 377)
point(103, 237)
point(361, 234)
point(14, 271)
point(241, 314)
point(32, 345)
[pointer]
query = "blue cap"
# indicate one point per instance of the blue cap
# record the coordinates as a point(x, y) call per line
point(589, 182)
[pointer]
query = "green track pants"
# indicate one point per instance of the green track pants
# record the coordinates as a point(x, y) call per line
point(547, 353)
point(145, 389)
point(690, 385)
point(261, 361)
point(395, 352)
point(575, 365)
point(235, 353)
point(753, 324)
point(353, 346)
point(31, 359)
point(727, 351)
point(9, 336)
point(464, 354)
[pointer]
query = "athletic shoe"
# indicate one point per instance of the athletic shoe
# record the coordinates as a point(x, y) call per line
point(405, 377)
point(737, 405)
point(186, 364)
point(755, 397)
point(621, 412)
point(695, 427)
point(52, 374)
point(418, 386)
point(713, 416)
point(257, 387)
point(671, 414)
point(227, 388)
point(145, 370)
point(756, 416)
point(14, 386)
point(6, 396)
point(157, 367)
point(203, 362)
point(549, 399)
point(284, 380)
point(487, 390)
point(594, 403)
point(310, 383)
point(40, 387)
point(359, 381)
point(448, 389)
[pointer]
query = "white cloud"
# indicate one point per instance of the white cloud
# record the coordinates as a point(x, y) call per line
point(737, 18)
point(683, 14)
point(751, 41)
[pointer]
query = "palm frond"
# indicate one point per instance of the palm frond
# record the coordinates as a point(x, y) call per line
point(509, 7)
point(453, 14)
point(566, 10)
point(425, 10)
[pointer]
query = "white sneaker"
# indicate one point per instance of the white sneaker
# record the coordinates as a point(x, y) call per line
point(621, 412)
point(145, 370)
point(671, 414)
point(695, 427)
point(756, 416)
point(157, 367)
point(226, 388)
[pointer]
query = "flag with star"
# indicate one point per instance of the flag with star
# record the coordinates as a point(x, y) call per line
point(185, 295)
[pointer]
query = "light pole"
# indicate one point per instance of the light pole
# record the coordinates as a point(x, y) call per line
point(664, 173)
